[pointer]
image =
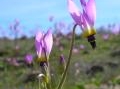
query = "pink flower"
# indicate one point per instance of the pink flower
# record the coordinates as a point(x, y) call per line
point(13, 62)
point(43, 44)
point(29, 59)
point(82, 47)
point(105, 36)
point(85, 19)
point(75, 50)
point(116, 30)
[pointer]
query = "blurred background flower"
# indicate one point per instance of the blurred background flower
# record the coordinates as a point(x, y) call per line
point(105, 36)
point(29, 59)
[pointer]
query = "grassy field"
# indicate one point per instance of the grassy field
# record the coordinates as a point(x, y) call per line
point(89, 69)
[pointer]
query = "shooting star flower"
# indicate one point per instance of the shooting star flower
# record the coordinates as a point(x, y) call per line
point(86, 19)
point(43, 45)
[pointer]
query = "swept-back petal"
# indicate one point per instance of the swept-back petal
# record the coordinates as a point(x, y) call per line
point(48, 42)
point(85, 23)
point(74, 11)
point(88, 30)
point(83, 2)
point(90, 10)
point(38, 36)
point(38, 43)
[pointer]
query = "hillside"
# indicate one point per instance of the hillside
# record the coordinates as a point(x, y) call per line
point(95, 68)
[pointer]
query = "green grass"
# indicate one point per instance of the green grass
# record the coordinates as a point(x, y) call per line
point(106, 52)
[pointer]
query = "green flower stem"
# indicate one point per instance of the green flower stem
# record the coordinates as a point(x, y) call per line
point(69, 59)
point(47, 72)
point(48, 83)
point(39, 84)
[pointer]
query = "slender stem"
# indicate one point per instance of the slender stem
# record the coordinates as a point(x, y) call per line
point(47, 71)
point(69, 59)
point(39, 84)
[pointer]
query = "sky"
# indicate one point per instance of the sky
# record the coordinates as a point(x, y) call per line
point(35, 13)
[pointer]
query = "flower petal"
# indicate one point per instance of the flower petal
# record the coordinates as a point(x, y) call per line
point(39, 36)
point(38, 42)
point(48, 42)
point(90, 10)
point(28, 58)
point(83, 2)
point(85, 24)
point(74, 11)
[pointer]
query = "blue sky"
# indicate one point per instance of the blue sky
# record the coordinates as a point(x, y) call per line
point(33, 13)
